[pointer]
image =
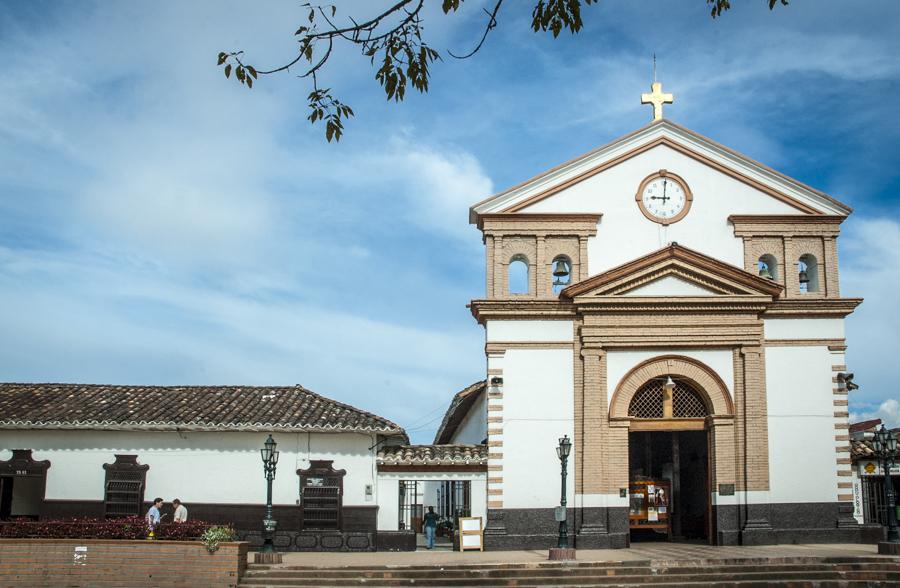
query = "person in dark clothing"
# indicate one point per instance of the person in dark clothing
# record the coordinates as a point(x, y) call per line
point(431, 520)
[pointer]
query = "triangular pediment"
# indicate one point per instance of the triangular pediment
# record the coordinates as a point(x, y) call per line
point(674, 271)
point(663, 134)
point(672, 283)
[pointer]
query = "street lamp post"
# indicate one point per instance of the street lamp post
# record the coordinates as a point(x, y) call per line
point(885, 446)
point(562, 549)
point(565, 446)
point(270, 460)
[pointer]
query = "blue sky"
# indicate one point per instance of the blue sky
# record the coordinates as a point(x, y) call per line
point(162, 225)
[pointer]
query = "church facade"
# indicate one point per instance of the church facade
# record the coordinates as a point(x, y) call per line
point(674, 308)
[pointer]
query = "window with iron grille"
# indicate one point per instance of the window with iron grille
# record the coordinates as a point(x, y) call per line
point(123, 494)
point(322, 495)
point(649, 402)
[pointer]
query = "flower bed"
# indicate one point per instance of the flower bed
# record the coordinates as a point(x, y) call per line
point(91, 528)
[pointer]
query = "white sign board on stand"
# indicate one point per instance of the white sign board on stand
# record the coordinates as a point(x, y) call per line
point(471, 535)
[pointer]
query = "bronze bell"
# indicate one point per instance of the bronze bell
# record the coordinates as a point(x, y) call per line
point(765, 273)
point(560, 271)
point(804, 278)
point(560, 268)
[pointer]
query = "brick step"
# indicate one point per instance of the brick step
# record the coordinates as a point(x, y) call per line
point(762, 577)
point(817, 560)
point(488, 572)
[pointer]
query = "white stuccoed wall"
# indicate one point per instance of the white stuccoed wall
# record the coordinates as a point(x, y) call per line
point(529, 331)
point(625, 234)
point(196, 467)
point(802, 458)
point(538, 409)
point(804, 329)
point(619, 363)
point(473, 429)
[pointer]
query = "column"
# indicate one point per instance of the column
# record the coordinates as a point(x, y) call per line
point(542, 288)
point(754, 414)
point(595, 427)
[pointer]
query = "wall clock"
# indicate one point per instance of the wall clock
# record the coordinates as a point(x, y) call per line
point(664, 197)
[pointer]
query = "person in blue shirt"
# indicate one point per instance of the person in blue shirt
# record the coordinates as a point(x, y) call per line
point(153, 515)
point(431, 520)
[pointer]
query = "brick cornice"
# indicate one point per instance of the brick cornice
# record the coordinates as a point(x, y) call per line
point(544, 223)
point(759, 225)
point(519, 309)
point(665, 304)
point(812, 308)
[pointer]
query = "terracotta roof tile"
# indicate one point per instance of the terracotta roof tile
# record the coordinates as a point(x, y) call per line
point(864, 425)
point(188, 408)
point(436, 455)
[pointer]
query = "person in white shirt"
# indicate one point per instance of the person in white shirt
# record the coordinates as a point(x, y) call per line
point(180, 511)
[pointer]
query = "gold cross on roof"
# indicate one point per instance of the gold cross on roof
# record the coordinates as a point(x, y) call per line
point(657, 98)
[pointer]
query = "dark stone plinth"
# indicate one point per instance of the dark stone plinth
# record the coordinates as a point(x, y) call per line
point(562, 553)
point(884, 548)
point(261, 557)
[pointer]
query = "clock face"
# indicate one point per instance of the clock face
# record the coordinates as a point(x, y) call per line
point(664, 198)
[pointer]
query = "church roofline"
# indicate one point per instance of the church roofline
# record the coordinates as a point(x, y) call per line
point(680, 253)
point(754, 173)
point(456, 413)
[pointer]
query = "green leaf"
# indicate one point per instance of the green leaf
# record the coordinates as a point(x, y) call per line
point(228, 70)
point(222, 57)
point(449, 5)
point(249, 82)
point(252, 70)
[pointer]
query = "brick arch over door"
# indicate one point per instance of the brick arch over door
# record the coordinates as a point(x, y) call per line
point(704, 379)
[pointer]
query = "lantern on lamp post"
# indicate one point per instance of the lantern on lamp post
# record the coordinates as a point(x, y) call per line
point(270, 459)
point(884, 444)
point(565, 447)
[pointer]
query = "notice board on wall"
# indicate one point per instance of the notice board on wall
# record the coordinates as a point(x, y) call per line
point(471, 534)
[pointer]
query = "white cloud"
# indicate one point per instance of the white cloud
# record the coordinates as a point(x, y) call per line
point(440, 186)
point(888, 411)
point(870, 249)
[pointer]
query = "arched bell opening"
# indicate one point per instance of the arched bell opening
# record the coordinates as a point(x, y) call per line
point(808, 273)
point(562, 273)
point(517, 275)
point(767, 266)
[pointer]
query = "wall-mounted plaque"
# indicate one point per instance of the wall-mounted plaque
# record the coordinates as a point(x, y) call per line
point(726, 489)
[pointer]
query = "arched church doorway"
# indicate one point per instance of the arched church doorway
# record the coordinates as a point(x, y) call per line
point(668, 462)
point(675, 409)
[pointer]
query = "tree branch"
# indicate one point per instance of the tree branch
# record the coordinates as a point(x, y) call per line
point(492, 22)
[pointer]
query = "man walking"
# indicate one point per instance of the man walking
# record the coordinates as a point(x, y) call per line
point(430, 526)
